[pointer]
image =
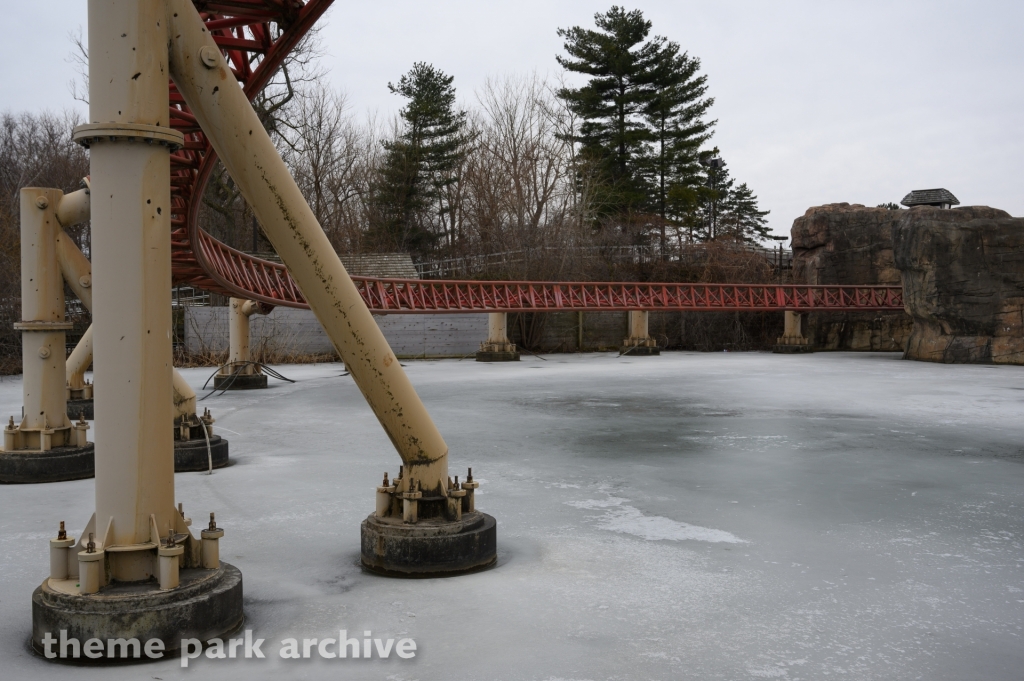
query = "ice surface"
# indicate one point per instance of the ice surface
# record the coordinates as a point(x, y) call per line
point(689, 516)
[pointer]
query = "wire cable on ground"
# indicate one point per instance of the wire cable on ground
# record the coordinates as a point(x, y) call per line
point(237, 368)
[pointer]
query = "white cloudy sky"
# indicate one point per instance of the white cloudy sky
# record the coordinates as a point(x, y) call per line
point(817, 101)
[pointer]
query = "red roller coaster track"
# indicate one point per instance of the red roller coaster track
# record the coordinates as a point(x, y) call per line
point(256, 36)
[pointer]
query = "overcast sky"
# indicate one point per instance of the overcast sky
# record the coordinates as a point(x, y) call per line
point(817, 102)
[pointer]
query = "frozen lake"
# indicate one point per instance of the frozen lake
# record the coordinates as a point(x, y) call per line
point(689, 516)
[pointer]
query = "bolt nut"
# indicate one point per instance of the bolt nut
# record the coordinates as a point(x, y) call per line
point(85, 280)
point(42, 202)
point(44, 352)
point(208, 56)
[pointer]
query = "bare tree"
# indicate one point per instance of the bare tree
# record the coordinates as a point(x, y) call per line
point(36, 150)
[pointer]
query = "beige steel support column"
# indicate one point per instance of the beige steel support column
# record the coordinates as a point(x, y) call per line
point(793, 333)
point(238, 364)
point(208, 86)
point(77, 272)
point(129, 140)
point(183, 394)
point(77, 364)
point(639, 336)
point(497, 334)
point(45, 424)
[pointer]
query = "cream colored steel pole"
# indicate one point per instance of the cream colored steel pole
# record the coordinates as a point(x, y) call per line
point(497, 328)
point(43, 324)
point(638, 324)
point(207, 84)
point(239, 310)
point(793, 326)
point(184, 395)
point(130, 141)
point(79, 361)
point(77, 271)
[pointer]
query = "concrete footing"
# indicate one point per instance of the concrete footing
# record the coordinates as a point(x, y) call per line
point(191, 455)
point(207, 604)
point(641, 350)
point(486, 356)
point(80, 409)
point(77, 463)
point(239, 382)
point(431, 547)
point(788, 349)
point(54, 465)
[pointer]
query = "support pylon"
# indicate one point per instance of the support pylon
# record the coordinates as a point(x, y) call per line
point(137, 571)
point(497, 347)
point(200, 73)
point(240, 372)
point(793, 340)
point(46, 446)
point(639, 342)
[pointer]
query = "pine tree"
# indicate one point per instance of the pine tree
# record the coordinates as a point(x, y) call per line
point(421, 165)
point(741, 219)
point(675, 115)
point(621, 63)
point(726, 211)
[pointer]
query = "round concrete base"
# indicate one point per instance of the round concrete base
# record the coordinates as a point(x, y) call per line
point(240, 382)
point(80, 407)
point(429, 548)
point(792, 349)
point(497, 356)
point(640, 351)
point(55, 465)
point(206, 605)
point(191, 455)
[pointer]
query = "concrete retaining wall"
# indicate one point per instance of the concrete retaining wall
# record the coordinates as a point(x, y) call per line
point(296, 332)
point(287, 331)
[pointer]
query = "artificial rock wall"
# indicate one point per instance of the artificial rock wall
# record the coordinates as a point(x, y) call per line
point(842, 243)
point(963, 283)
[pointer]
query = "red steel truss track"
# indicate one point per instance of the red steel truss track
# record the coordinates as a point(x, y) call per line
point(256, 36)
point(415, 295)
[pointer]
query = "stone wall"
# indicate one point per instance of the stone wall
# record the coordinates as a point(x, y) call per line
point(842, 243)
point(963, 283)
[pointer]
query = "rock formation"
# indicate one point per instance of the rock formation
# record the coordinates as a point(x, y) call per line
point(842, 243)
point(963, 283)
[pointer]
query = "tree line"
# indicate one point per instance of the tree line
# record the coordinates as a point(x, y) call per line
point(604, 172)
point(614, 153)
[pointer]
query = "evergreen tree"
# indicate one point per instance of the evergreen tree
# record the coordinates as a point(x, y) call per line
point(727, 211)
point(675, 115)
point(621, 63)
point(741, 219)
point(421, 165)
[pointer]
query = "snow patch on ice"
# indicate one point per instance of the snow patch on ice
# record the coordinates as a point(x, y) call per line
point(768, 673)
point(620, 517)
